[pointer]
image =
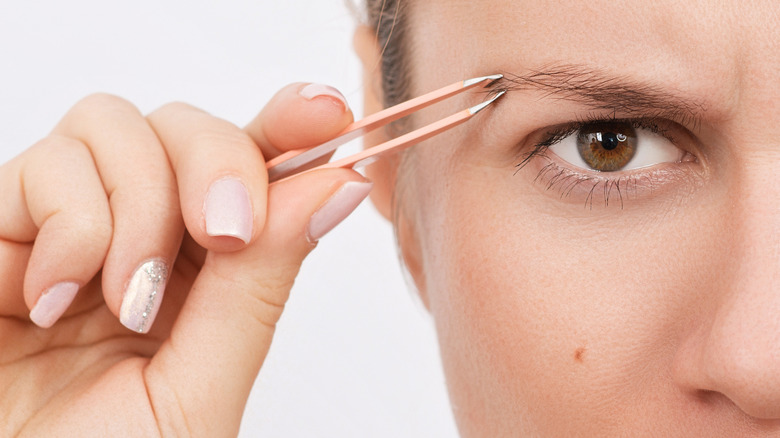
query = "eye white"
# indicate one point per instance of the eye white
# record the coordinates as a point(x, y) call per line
point(651, 149)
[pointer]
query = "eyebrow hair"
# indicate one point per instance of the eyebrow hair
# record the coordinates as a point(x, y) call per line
point(603, 91)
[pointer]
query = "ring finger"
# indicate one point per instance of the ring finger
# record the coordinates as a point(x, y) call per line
point(143, 199)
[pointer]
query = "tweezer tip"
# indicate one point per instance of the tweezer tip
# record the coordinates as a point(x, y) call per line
point(491, 78)
point(477, 108)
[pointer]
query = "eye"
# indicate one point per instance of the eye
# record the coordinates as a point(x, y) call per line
point(615, 145)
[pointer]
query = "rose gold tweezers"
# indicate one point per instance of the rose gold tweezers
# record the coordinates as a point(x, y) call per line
point(293, 162)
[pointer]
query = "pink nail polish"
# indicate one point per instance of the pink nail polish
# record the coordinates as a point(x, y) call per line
point(337, 208)
point(228, 210)
point(53, 303)
point(313, 91)
point(143, 296)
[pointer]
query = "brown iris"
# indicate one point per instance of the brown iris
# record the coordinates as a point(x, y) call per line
point(607, 147)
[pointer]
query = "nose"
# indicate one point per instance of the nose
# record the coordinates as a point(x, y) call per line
point(736, 349)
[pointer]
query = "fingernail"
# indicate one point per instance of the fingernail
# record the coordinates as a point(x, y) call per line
point(143, 296)
point(228, 210)
point(313, 91)
point(53, 303)
point(337, 208)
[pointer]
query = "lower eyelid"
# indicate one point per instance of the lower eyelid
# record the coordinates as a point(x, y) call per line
point(588, 189)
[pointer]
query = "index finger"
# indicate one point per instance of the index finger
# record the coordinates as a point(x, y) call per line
point(299, 116)
point(220, 172)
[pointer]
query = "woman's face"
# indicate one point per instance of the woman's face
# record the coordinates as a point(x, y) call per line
point(569, 302)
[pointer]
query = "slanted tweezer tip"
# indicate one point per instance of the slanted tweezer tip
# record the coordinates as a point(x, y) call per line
point(491, 78)
point(477, 108)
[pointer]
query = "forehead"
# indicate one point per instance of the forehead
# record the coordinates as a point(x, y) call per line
point(693, 44)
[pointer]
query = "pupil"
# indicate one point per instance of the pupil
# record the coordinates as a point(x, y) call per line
point(609, 141)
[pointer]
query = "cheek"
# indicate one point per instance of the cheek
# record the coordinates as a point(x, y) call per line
point(547, 315)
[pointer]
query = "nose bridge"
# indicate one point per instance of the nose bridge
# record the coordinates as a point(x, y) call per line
point(756, 237)
point(735, 351)
point(756, 201)
point(751, 313)
point(753, 171)
point(742, 349)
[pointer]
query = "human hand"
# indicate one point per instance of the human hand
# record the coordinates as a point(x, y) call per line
point(121, 208)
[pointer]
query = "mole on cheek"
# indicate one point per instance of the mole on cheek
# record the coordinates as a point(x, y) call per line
point(578, 354)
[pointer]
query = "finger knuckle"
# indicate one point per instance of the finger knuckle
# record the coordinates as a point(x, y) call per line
point(159, 196)
point(172, 110)
point(98, 228)
point(263, 293)
point(62, 152)
point(59, 145)
point(101, 103)
point(207, 133)
point(92, 229)
point(278, 282)
point(229, 140)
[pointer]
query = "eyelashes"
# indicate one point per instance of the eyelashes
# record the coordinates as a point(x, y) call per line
point(609, 158)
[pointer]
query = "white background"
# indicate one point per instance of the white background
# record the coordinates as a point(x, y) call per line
point(354, 354)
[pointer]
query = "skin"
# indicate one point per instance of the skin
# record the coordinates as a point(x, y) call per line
point(556, 318)
point(70, 212)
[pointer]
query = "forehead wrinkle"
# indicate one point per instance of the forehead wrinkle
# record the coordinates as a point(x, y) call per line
point(604, 91)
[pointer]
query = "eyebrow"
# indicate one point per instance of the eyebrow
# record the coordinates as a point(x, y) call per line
point(602, 91)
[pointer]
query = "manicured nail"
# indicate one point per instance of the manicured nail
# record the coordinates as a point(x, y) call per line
point(53, 303)
point(143, 296)
point(337, 208)
point(228, 210)
point(313, 91)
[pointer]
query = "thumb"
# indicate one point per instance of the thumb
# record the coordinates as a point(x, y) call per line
point(222, 335)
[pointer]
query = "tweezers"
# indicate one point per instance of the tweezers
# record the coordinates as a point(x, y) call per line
point(294, 162)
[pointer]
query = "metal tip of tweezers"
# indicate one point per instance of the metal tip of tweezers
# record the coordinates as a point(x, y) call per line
point(477, 108)
point(491, 78)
